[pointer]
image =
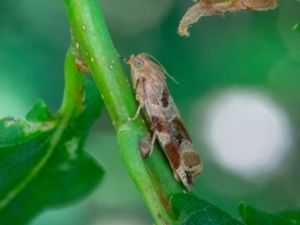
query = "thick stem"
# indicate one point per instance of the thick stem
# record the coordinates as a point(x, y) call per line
point(153, 176)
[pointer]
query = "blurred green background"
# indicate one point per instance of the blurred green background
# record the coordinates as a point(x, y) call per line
point(239, 96)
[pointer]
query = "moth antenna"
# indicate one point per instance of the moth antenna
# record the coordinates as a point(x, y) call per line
point(172, 78)
point(162, 67)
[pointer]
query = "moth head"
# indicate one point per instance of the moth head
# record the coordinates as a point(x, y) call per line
point(138, 64)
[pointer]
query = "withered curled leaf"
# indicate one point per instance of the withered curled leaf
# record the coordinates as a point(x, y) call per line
point(218, 7)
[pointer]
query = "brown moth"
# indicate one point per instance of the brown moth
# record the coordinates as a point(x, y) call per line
point(218, 7)
point(148, 79)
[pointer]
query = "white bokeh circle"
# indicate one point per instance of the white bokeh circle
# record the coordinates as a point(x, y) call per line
point(247, 132)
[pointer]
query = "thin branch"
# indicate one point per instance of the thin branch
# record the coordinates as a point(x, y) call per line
point(152, 176)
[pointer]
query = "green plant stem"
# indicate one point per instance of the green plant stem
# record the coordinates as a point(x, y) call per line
point(153, 176)
point(74, 87)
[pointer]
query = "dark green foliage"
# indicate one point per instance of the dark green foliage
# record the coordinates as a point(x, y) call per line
point(42, 163)
point(252, 216)
point(193, 211)
point(291, 215)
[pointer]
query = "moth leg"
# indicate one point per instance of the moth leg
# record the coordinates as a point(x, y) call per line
point(154, 136)
point(153, 139)
point(146, 145)
point(136, 113)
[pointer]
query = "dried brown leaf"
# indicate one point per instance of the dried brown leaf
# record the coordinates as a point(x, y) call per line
point(218, 7)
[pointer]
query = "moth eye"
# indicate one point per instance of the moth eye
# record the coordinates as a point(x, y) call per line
point(139, 63)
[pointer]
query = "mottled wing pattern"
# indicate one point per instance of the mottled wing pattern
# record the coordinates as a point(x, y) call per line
point(152, 92)
point(171, 132)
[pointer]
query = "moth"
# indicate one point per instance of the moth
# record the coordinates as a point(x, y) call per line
point(148, 78)
point(218, 7)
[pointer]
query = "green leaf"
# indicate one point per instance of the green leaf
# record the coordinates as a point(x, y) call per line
point(192, 211)
point(39, 113)
point(14, 132)
point(42, 162)
point(297, 27)
point(291, 215)
point(252, 216)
